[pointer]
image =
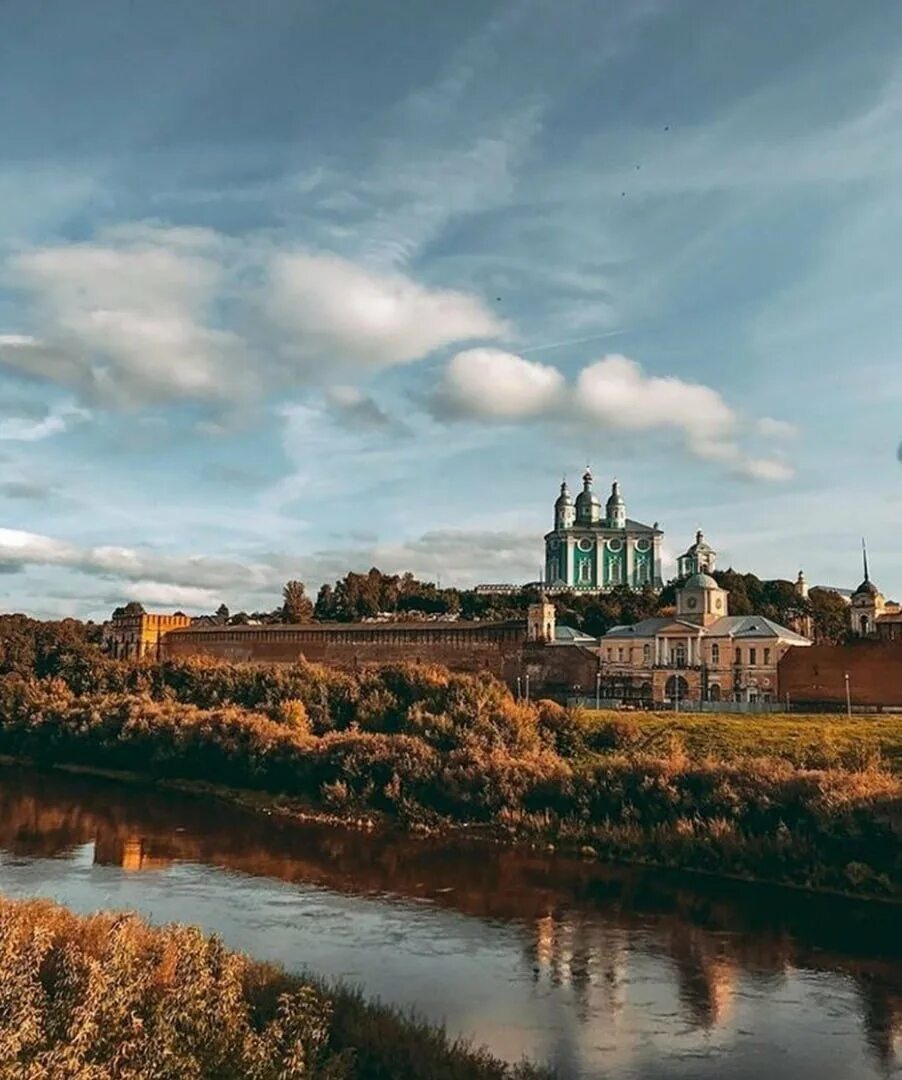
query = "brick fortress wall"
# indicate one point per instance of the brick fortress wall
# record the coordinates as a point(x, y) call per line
point(816, 675)
point(499, 649)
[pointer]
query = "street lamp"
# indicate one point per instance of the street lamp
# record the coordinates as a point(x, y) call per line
point(848, 696)
point(597, 690)
point(527, 687)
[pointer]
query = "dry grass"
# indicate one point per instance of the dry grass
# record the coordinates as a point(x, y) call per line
point(815, 741)
point(109, 997)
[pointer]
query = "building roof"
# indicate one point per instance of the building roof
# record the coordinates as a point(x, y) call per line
point(730, 626)
point(701, 581)
point(753, 626)
point(567, 635)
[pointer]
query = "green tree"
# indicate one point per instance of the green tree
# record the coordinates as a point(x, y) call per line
point(297, 606)
point(830, 616)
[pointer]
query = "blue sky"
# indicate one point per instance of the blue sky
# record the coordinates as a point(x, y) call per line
point(293, 288)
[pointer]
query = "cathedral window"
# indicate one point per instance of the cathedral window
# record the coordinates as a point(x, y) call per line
point(715, 654)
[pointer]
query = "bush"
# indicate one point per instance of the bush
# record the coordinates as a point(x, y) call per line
point(108, 995)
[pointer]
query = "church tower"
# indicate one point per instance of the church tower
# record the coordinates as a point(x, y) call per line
point(564, 510)
point(701, 600)
point(867, 604)
point(540, 621)
point(699, 559)
point(616, 509)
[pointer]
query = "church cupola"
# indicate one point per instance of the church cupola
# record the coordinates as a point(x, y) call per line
point(699, 559)
point(701, 600)
point(588, 505)
point(615, 509)
point(564, 510)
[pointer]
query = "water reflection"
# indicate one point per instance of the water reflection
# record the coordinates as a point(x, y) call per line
point(606, 970)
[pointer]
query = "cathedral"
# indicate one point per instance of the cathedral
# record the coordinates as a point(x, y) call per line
point(591, 551)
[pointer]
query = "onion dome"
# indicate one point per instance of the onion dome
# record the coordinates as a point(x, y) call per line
point(563, 500)
point(615, 508)
point(588, 505)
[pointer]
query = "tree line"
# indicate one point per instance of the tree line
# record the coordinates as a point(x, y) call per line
point(356, 597)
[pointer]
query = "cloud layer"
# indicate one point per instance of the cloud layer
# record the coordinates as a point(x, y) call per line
point(149, 315)
point(615, 392)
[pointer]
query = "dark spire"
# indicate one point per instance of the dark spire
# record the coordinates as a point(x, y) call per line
point(864, 556)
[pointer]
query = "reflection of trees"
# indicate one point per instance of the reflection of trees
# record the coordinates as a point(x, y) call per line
point(881, 1008)
point(578, 917)
point(706, 975)
point(574, 951)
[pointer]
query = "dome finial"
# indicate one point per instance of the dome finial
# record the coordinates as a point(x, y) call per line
point(587, 477)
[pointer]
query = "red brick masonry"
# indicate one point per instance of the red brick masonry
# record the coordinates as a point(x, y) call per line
point(816, 675)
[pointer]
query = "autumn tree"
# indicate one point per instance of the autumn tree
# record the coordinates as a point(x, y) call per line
point(297, 606)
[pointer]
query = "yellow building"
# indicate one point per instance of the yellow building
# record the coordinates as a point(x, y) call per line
point(702, 653)
point(133, 633)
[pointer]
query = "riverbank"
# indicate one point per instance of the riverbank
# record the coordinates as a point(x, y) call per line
point(86, 994)
point(434, 752)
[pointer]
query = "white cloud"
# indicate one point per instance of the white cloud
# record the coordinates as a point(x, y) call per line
point(496, 385)
point(616, 391)
point(488, 384)
point(149, 315)
point(776, 429)
point(31, 429)
point(336, 313)
point(201, 582)
point(766, 469)
point(124, 322)
point(179, 596)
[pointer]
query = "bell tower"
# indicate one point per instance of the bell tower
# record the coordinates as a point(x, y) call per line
point(540, 621)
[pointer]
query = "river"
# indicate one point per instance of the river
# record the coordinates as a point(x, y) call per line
point(600, 971)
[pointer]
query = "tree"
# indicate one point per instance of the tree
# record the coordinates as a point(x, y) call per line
point(222, 615)
point(830, 616)
point(297, 606)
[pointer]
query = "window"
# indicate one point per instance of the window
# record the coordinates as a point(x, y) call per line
point(715, 654)
point(646, 654)
point(610, 653)
point(753, 657)
point(620, 656)
point(679, 655)
point(738, 656)
point(767, 656)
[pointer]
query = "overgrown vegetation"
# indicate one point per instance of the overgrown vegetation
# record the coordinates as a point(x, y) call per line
point(435, 749)
point(108, 996)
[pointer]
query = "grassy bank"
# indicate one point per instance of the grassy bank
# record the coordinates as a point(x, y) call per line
point(428, 748)
point(815, 741)
point(108, 995)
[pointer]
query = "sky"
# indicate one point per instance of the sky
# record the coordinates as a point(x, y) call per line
point(294, 288)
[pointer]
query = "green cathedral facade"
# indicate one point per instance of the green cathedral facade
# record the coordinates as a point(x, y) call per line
point(593, 551)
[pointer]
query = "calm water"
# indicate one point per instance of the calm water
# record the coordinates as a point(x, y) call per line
point(602, 972)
